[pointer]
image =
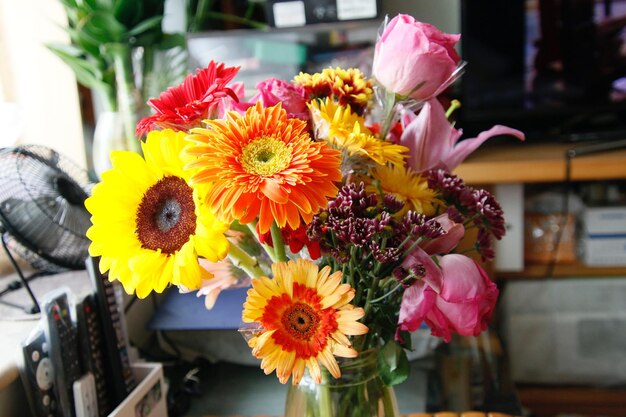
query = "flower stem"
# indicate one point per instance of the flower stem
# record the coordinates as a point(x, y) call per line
point(326, 408)
point(277, 242)
point(370, 294)
point(245, 262)
point(387, 294)
point(389, 106)
point(267, 248)
point(126, 93)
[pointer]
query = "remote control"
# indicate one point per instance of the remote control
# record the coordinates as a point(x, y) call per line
point(91, 350)
point(38, 375)
point(85, 402)
point(61, 336)
point(119, 374)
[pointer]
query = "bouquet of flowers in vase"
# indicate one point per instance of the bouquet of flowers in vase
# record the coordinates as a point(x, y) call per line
point(331, 195)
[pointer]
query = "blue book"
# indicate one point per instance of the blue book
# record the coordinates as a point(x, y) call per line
point(187, 311)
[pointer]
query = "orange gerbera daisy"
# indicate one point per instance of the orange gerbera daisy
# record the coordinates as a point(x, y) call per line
point(305, 316)
point(264, 165)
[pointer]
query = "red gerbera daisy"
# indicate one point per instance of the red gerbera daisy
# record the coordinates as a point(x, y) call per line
point(186, 105)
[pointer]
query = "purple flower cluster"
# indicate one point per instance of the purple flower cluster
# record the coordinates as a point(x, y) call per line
point(356, 221)
point(468, 205)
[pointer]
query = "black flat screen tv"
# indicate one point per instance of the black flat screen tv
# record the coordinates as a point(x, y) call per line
point(555, 69)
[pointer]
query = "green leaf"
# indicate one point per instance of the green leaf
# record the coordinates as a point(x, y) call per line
point(70, 4)
point(86, 72)
point(90, 5)
point(84, 41)
point(104, 28)
point(172, 40)
point(405, 336)
point(105, 4)
point(393, 365)
point(146, 25)
point(129, 12)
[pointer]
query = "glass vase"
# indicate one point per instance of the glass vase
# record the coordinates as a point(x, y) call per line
point(108, 136)
point(359, 392)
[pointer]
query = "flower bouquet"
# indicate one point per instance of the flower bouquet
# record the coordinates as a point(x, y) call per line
point(331, 195)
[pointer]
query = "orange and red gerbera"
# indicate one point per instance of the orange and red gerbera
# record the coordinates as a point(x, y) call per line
point(264, 165)
point(186, 105)
point(305, 317)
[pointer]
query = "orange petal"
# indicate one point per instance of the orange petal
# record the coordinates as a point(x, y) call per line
point(274, 191)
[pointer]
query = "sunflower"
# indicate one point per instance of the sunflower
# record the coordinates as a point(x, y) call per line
point(184, 106)
point(305, 317)
point(407, 186)
point(264, 165)
point(346, 130)
point(149, 225)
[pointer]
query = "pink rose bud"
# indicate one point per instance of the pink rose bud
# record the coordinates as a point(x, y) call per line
point(464, 304)
point(293, 97)
point(414, 59)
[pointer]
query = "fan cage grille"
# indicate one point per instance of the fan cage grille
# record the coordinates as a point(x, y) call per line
point(42, 208)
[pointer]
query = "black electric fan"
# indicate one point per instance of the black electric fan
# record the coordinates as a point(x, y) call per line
point(42, 213)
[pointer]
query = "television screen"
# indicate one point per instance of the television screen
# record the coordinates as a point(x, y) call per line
point(553, 68)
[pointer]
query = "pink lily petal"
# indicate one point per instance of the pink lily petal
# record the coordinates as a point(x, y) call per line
point(433, 276)
point(464, 148)
point(447, 242)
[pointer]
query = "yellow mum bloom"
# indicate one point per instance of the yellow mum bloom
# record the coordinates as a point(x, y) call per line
point(346, 86)
point(406, 186)
point(346, 130)
point(305, 316)
point(149, 224)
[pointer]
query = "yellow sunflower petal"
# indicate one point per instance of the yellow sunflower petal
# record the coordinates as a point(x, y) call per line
point(145, 216)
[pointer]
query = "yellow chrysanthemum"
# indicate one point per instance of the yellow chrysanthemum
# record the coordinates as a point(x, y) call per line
point(264, 165)
point(406, 186)
point(315, 84)
point(149, 224)
point(346, 86)
point(305, 316)
point(346, 130)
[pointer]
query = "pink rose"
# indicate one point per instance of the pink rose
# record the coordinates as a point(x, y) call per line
point(293, 97)
point(434, 143)
point(414, 59)
point(464, 304)
point(227, 104)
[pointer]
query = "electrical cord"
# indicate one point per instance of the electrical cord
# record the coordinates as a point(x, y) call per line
point(35, 307)
point(563, 215)
point(569, 155)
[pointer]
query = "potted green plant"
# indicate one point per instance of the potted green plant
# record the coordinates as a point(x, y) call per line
point(117, 49)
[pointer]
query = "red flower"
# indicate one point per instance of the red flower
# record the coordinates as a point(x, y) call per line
point(295, 239)
point(184, 106)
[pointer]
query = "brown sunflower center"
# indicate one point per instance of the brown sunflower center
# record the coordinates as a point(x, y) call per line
point(300, 321)
point(166, 215)
point(265, 156)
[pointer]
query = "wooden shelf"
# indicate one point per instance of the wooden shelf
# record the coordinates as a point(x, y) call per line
point(548, 401)
point(517, 162)
point(539, 271)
